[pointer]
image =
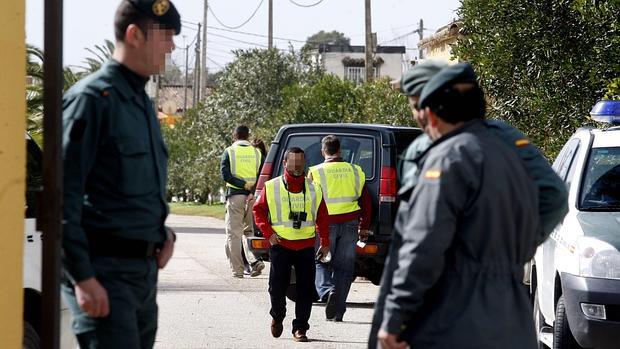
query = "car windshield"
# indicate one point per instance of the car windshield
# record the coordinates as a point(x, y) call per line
point(600, 190)
point(356, 149)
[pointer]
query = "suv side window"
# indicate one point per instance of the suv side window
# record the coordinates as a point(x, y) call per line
point(356, 149)
point(563, 162)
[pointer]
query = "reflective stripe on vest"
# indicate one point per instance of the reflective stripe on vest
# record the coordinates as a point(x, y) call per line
point(342, 184)
point(244, 163)
point(277, 197)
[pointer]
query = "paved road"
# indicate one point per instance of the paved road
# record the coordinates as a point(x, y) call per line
point(202, 306)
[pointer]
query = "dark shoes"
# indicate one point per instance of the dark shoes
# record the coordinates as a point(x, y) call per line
point(276, 328)
point(300, 336)
point(330, 307)
point(257, 268)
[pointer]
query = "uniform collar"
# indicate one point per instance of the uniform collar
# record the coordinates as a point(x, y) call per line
point(471, 125)
point(241, 142)
point(333, 159)
point(131, 84)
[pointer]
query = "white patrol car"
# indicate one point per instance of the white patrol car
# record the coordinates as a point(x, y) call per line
point(576, 273)
point(32, 260)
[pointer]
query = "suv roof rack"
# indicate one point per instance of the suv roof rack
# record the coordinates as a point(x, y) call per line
point(613, 128)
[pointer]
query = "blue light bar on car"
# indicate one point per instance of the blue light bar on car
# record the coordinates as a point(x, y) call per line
point(606, 111)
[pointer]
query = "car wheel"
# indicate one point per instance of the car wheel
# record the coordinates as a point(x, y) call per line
point(562, 336)
point(31, 338)
point(539, 321)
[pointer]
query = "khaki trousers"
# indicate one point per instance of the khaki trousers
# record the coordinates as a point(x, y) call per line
point(239, 225)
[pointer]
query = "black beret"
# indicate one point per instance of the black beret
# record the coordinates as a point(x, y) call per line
point(161, 11)
point(453, 74)
point(413, 80)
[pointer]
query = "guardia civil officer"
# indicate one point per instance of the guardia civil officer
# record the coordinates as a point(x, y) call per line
point(115, 206)
point(552, 194)
point(469, 226)
point(239, 167)
point(350, 208)
point(290, 211)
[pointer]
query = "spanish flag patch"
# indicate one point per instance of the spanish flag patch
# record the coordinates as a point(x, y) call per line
point(520, 143)
point(432, 174)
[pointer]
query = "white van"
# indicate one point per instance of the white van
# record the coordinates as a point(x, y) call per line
point(32, 260)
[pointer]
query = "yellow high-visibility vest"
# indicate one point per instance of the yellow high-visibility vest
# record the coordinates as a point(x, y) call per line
point(341, 183)
point(244, 163)
point(278, 198)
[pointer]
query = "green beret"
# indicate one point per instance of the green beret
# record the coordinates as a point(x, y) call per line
point(414, 80)
point(457, 73)
point(161, 11)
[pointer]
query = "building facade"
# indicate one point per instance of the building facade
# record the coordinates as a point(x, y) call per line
point(348, 62)
point(439, 45)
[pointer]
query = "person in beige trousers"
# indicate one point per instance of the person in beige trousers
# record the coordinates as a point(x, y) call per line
point(240, 166)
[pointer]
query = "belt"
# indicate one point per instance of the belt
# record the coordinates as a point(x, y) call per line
point(105, 245)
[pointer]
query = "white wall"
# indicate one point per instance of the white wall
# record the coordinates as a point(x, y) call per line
point(392, 63)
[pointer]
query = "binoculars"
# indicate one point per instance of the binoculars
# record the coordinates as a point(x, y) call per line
point(297, 218)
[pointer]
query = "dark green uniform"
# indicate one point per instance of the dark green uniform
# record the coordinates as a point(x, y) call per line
point(114, 204)
point(465, 233)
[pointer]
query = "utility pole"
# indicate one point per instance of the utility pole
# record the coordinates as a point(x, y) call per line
point(186, 79)
point(203, 73)
point(196, 90)
point(52, 198)
point(421, 34)
point(369, 60)
point(270, 27)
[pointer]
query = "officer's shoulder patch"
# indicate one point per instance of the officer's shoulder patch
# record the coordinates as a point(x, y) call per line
point(98, 88)
point(432, 174)
point(520, 143)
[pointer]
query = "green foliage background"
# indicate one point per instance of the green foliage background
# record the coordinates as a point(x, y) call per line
point(265, 89)
point(543, 63)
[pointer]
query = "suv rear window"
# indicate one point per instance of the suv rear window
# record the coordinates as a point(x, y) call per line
point(356, 149)
point(600, 188)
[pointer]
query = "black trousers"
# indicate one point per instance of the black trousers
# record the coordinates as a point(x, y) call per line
point(131, 284)
point(282, 259)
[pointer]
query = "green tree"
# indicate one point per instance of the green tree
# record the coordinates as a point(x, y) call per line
point(332, 99)
point(329, 38)
point(250, 92)
point(543, 63)
point(34, 90)
point(99, 55)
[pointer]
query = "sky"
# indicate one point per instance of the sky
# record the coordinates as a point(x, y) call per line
point(89, 22)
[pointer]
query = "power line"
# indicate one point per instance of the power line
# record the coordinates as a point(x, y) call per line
point(216, 63)
point(301, 5)
point(254, 34)
point(233, 39)
point(240, 25)
point(399, 37)
point(244, 42)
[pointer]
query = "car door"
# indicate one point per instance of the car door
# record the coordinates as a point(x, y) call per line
point(545, 259)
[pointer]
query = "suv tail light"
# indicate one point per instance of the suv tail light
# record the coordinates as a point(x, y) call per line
point(387, 184)
point(265, 175)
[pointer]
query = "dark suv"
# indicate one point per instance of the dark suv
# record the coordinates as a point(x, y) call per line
point(375, 148)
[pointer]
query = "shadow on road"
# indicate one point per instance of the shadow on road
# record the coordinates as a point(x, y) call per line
point(329, 341)
point(365, 305)
point(184, 230)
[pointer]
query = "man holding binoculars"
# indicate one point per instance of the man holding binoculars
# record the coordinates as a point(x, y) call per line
point(289, 212)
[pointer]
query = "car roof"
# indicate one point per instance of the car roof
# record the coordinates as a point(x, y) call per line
point(349, 125)
point(606, 138)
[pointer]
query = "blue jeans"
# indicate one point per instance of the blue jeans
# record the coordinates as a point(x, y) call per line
point(338, 275)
